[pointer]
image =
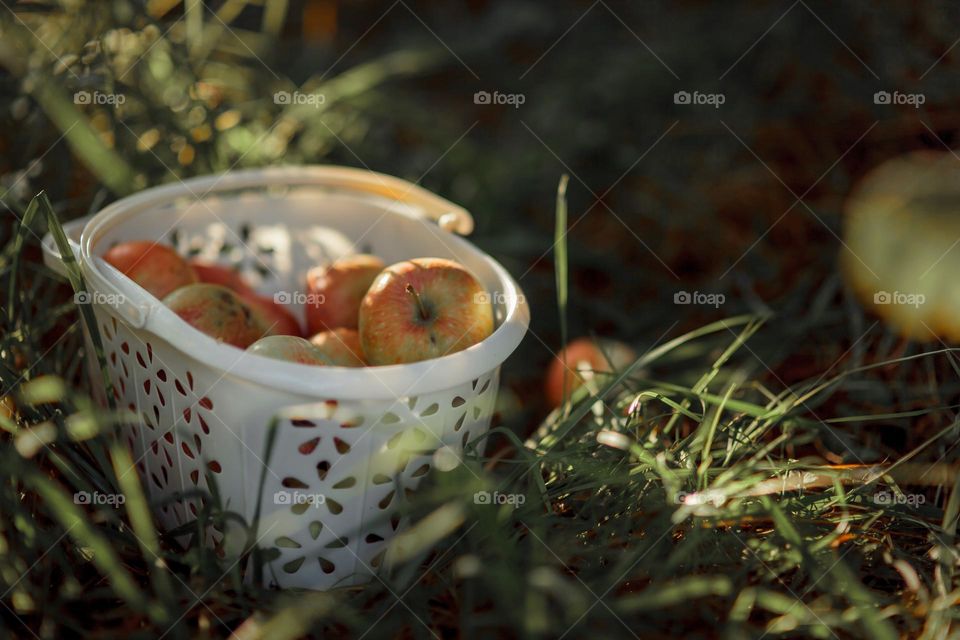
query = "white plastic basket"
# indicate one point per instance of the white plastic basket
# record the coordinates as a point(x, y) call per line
point(350, 443)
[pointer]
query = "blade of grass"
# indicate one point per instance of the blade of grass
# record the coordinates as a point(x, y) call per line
point(79, 286)
point(561, 275)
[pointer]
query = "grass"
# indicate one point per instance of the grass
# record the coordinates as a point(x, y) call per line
point(671, 497)
point(758, 475)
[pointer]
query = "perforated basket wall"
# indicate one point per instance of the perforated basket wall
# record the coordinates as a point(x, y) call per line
point(340, 463)
point(336, 472)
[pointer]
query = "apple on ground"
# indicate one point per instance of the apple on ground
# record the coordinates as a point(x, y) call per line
point(337, 289)
point(341, 346)
point(583, 358)
point(7, 407)
point(290, 348)
point(217, 312)
point(421, 309)
point(158, 268)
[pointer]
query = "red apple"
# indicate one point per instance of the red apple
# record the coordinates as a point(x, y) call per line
point(337, 289)
point(278, 319)
point(218, 274)
point(155, 267)
point(274, 316)
point(217, 312)
point(582, 358)
point(422, 309)
point(291, 348)
point(341, 346)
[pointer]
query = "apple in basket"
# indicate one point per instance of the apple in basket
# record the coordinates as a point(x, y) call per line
point(291, 348)
point(212, 273)
point(155, 267)
point(583, 358)
point(277, 319)
point(217, 312)
point(336, 290)
point(341, 346)
point(421, 309)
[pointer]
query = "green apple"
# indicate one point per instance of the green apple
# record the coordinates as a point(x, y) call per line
point(421, 309)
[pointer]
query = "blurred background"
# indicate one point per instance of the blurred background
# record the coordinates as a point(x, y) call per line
point(709, 147)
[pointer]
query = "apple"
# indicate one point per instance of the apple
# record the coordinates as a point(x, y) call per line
point(277, 318)
point(421, 309)
point(155, 267)
point(341, 346)
point(7, 407)
point(336, 290)
point(290, 348)
point(581, 359)
point(218, 274)
point(217, 312)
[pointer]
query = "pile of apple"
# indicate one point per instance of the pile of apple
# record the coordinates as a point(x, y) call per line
point(359, 311)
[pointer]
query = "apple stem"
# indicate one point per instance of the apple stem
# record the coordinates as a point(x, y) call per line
point(416, 296)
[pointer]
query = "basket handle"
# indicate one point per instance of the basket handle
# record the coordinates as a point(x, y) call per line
point(448, 216)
